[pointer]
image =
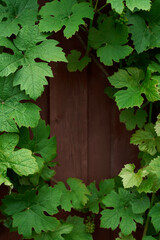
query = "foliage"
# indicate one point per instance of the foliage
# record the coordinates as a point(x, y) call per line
point(122, 38)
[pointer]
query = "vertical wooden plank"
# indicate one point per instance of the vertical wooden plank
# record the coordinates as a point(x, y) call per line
point(68, 119)
point(122, 152)
point(99, 126)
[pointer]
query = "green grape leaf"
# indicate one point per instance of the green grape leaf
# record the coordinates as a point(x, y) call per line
point(12, 111)
point(16, 13)
point(140, 204)
point(141, 5)
point(79, 230)
point(76, 197)
point(109, 40)
point(3, 177)
point(149, 185)
point(130, 178)
point(157, 126)
point(121, 213)
point(30, 207)
point(63, 229)
point(132, 119)
point(144, 27)
point(96, 197)
point(155, 216)
point(20, 161)
point(29, 45)
point(130, 79)
point(118, 5)
point(148, 238)
point(110, 92)
point(40, 144)
point(154, 167)
point(146, 139)
point(64, 13)
point(75, 63)
point(122, 237)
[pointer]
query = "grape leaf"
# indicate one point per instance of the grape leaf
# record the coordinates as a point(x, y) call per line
point(141, 5)
point(129, 177)
point(96, 197)
point(20, 161)
point(122, 214)
point(109, 40)
point(12, 111)
point(63, 229)
point(132, 119)
point(146, 139)
point(130, 79)
point(148, 238)
point(140, 203)
point(118, 5)
point(40, 144)
point(79, 230)
point(16, 13)
point(3, 177)
point(157, 126)
point(67, 13)
point(29, 45)
point(76, 197)
point(155, 216)
point(144, 27)
point(75, 63)
point(122, 237)
point(29, 208)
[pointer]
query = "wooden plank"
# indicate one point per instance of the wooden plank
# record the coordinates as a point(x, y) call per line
point(68, 119)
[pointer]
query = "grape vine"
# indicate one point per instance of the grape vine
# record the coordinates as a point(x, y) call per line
point(123, 34)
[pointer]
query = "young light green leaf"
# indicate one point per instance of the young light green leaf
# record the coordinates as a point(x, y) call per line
point(30, 207)
point(21, 161)
point(118, 5)
point(12, 111)
point(157, 126)
point(67, 13)
point(146, 139)
point(109, 40)
point(122, 214)
point(75, 63)
point(130, 178)
point(29, 45)
point(17, 13)
point(132, 118)
point(141, 5)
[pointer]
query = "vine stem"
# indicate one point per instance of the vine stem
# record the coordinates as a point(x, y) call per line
point(102, 7)
point(95, 8)
point(148, 217)
point(92, 56)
